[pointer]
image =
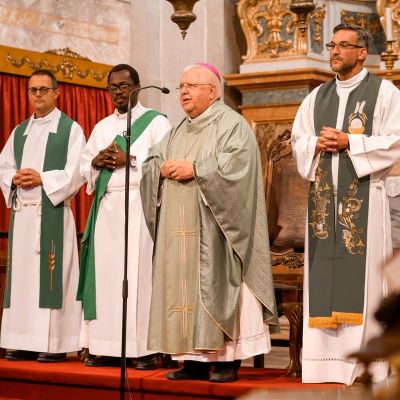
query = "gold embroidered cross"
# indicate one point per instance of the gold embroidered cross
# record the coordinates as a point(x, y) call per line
point(183, 233)
point(51, 257)
point(184, 309)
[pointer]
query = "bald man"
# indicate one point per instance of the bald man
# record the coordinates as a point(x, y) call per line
point(203, 201)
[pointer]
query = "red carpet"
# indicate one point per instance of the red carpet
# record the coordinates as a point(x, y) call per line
point(74, 381)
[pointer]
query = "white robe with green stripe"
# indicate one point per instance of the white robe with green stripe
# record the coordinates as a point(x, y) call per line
point(25, 326)
point(103, 335)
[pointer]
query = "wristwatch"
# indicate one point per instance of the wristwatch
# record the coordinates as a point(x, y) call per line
point(132, 161)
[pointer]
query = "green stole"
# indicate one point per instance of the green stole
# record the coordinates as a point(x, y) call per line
point(337, 254)
point(52, 218)
point(87, 282)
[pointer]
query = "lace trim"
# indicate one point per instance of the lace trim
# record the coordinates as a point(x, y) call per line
point(338, 359)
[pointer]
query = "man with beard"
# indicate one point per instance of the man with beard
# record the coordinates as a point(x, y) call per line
point(102, 255)
point(345, 138)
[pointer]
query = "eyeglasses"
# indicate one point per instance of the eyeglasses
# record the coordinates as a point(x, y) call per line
point(122, 87)
point(43, 90)
point(342, 46)
point(191, 86)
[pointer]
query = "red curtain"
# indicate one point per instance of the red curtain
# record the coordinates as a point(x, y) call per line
point(84, 105)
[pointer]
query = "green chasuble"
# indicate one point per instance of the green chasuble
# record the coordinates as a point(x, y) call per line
point(87, 279)
point(338, 234)
point(52, 218)
point(210, 233)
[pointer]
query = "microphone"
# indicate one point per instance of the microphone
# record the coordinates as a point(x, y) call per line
point(163, 89)
point(129, 113)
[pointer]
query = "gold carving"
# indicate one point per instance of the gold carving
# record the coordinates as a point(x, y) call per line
point(66, 52)
point(348, 210)
point(67, 67)
point(270, 30)
point(320, 193)
point(361, 19)
point(318, 16)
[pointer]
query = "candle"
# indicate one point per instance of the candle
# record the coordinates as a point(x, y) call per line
point(388, 19)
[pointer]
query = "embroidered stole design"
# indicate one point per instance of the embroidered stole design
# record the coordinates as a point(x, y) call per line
point(87, 279)
point(52, 218)
point(338, 240)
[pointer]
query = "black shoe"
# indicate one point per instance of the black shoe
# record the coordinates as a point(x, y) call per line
point(52, 357)
point(21, 355)
point(191, 370)
point(167, 361)
point(146, 362)
point(103, 361)
point(225, 372)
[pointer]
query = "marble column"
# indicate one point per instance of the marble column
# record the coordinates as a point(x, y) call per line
point(159, 53)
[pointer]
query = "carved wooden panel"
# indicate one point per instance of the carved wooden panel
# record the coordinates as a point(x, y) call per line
point(265, 133)
point(286, 198)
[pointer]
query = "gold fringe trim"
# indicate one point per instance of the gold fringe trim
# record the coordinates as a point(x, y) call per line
point(348, 318)
point(336, 319)
point(322, 322)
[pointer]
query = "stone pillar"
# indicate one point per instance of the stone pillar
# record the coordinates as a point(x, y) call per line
point(159, 53)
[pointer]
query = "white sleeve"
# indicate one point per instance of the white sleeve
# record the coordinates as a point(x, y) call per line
point(60, 185)
point(90, 151)
point(381, 150)
point(8, 169)
point(160, 127)
point(303, 138)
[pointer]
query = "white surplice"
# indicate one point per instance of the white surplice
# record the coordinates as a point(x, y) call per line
point(325, 351)
point(25, 326)
point(103, 335)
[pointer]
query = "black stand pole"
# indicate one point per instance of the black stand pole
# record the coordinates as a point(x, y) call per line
point(125, 279)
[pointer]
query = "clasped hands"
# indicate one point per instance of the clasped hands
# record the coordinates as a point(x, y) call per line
point(331, 140)
point(110, 158)
point(177, 170)
point(26, 178)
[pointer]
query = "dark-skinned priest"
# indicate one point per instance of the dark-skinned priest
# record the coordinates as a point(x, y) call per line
point(102, 255)
point(203, 198)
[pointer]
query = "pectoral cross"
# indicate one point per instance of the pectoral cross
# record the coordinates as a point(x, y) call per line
point(183, 233)
point(184, 309)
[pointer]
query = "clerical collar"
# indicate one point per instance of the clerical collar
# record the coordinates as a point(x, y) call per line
point(46, 118)
point(134, 112)
point(207, 111)
point(355, 80)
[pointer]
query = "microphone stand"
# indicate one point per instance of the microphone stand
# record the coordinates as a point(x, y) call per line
point(125, 285)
